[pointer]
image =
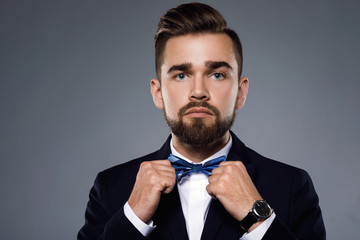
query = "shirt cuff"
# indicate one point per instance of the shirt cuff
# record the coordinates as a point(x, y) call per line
point(144, 228)
point(259, 232)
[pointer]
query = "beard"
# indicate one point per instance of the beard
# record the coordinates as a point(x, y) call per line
point(198, 133)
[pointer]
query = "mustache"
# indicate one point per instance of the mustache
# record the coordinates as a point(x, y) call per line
point(198, 104)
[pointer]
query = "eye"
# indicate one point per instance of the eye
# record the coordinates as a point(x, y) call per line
point(181, 76)
point(218, 76)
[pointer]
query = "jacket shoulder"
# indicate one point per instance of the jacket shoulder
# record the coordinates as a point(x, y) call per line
point(271, 163)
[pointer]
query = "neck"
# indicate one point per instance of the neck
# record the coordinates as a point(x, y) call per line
point(199, 153)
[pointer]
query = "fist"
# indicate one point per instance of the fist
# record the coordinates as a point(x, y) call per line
point(231, 184)
point(153, 179)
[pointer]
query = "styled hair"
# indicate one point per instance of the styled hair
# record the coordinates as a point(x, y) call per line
point(192, 18)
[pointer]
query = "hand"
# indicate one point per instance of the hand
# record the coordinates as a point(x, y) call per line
point(232, 186)
point(153, 179)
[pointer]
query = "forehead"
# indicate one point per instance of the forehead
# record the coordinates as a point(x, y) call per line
point(198, 49)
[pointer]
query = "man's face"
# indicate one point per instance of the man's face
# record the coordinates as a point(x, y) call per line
point(199, 90)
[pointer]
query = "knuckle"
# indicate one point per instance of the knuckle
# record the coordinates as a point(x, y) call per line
point(145, 165)
point(223, 163)
point(230, 168)
point(226, 178)
point(211, 188)
point(240, 165)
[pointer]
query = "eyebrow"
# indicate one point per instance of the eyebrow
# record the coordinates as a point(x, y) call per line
point(215, 65)
point(209, 64)
point(180, 67)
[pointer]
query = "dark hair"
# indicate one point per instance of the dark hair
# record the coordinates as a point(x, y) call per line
point(192, 18)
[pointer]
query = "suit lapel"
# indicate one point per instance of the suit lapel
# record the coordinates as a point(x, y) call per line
point(214, 220)
point(170, 218)
point(238, 152)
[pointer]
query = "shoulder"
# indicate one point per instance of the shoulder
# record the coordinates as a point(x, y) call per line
point(288, 182)
point(276, 172)
point(262, 165)
point(268, 173)
point(266, 164)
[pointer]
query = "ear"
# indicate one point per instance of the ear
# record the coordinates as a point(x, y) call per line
point(242, 92)
point(155, 88)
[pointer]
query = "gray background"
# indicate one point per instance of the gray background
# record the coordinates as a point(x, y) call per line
point(74, 100)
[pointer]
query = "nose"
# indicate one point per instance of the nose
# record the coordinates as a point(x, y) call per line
point(199, 91)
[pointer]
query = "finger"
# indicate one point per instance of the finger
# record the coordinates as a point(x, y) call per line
point(167, 173)
point(161, 167)
point(168, 189)
point(163, 162)
point(209, 189)
point(169, 184)
point(222, 166)
point(155, 165)
point(239, 164)
point(225, 163)
point(217, 170)
point(214, 177)
point(233, 167)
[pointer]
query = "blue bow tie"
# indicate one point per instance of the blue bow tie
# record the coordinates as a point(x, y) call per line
point(183, 168)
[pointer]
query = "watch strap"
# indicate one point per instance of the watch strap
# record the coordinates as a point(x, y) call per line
point(248, 221)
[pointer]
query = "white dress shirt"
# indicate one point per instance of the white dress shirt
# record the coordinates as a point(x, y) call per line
point(195, 203)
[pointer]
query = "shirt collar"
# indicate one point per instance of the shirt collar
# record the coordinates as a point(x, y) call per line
point(224, 151)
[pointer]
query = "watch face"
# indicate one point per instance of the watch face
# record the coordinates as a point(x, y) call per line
point(262, 209)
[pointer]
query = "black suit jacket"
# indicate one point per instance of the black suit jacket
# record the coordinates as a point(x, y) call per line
point(287, 189)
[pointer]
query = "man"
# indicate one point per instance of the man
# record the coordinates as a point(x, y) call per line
point(203, 183)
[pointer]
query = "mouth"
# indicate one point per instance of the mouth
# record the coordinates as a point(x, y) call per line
point(198, 112)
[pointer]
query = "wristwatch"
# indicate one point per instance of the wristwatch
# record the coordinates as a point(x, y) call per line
point(261, 210)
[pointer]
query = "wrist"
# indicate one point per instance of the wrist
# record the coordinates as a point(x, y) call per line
point(260, 211)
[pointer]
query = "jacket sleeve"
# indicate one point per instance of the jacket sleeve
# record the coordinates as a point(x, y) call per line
point(100, 223)
point(305, 218)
